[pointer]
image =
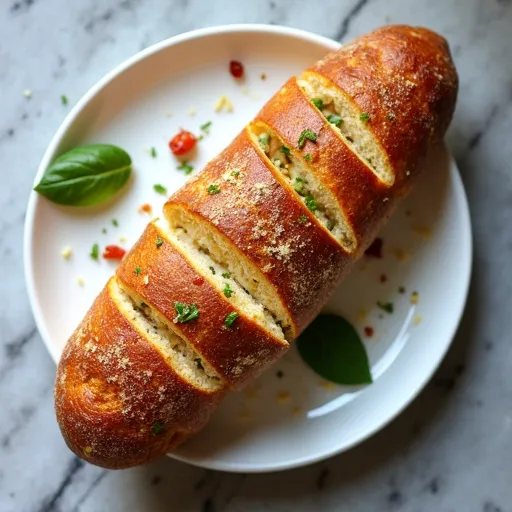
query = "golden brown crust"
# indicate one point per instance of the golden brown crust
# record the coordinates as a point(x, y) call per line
point(118, 402)
point(365, 201)
point(404, 78)
point(239, 353)
point(260, 215)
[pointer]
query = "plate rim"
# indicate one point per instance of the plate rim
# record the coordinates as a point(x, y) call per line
point(50, 152)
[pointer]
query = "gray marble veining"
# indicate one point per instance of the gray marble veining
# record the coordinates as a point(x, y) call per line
point(448, 452)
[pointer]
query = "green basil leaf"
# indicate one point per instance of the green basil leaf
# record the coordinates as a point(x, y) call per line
point(333, 349)
point(86, 175)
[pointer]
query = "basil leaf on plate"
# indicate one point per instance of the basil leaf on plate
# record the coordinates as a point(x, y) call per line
point(86, 175)
point(334, 350)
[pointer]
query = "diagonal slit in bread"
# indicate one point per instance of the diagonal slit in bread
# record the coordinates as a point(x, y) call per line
point(213, 258)
point(351, 125)
point(181, 356)
point(319, 200)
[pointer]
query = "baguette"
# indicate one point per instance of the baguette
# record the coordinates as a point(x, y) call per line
point(226, 280)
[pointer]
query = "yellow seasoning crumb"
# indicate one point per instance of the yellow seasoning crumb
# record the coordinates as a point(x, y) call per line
point(223, 103)
point(415, 297)
point(27, 93)
point(123, 239)
point(245, 90)
point(361, 315)
point(146, 280)
point(192, 111)
point(66, 252)
point(80, 281)
point(88, 450)
point(282, 397)
point(330, 386)
point(263, 76)
point(401, 255)
point(297, 411)
point(417, 319)
point(422, 231)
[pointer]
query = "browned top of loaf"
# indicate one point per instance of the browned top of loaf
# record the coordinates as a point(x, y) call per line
point(238, 353)
point(113, 387)
point(404, 78)
point(363, 198)
point(262, 217)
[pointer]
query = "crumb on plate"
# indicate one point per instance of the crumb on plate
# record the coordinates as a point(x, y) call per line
point(422, 231)
point(192, 111)
point(282, 397)
point(80, 281)
point(223, 103)
point(401, 255)
point(326, 384)
point(66, 252)
point(415, 297)
point(27, 93)
point(417, 319)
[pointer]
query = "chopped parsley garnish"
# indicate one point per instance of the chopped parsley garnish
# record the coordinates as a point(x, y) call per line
point(306, 134)
point(160, 189)
point(95, 252)
point(311, 203)
point(186, 312)
point(115, 223)
point(388, 307)
point(308, 157)
point(302, 219)
point(319, 104)
point(235, 173)
point(153, 152)
point(137, 271)
point(364, 116)
point(212, 270)
point(298, 185)
point(159, 242)
point(286, 150)
point(199, 363)
point(226, 275)
point(335, 120)
point(185, 167)
point(206, 127)
point(213, 189)
point(104, 231)
point(228, 321)
point(157, 428)
point(227, 290)
point(401, 289)
point(64, 99)
point(264, 141)
point(279, 374)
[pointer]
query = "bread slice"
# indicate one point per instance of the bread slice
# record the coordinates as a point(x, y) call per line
point(359, 194)
point(352, 125)
point(402, 81)
point(260, 229)
point(170, 270)
point(122, 394)
point(317, 198)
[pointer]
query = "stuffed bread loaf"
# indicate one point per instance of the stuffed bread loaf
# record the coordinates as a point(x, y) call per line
point(250, 249)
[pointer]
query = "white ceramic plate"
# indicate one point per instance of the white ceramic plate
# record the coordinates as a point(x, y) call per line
point(295, 419)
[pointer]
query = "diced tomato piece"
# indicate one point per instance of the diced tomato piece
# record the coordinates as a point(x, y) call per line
point(236, 69)
point(113, 252)
point(182, 143)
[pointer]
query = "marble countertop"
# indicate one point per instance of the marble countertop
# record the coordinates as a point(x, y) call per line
point(450, 451)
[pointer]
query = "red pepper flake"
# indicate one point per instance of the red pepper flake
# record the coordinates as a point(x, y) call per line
point(198, 281)
point(368, 331)
point(236, 68)
point(383, 278)
point(182, 143)
point(113, 252)
point(146, 208)
point(375, 250)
